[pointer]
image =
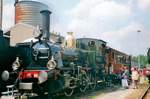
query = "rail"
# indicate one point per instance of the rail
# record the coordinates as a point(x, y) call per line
point(138, 93)
point(144, 94)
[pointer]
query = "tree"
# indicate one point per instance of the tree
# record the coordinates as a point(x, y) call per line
point(143, 60)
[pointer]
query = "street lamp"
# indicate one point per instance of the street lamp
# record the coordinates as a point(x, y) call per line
point(138, 32)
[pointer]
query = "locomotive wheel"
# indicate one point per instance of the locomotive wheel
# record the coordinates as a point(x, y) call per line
point(68, 92)
point(93, 84)
point(71, 85)
point(83, 84)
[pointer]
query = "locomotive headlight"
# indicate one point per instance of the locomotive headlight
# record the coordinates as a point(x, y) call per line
point(51, 64)
point(5, 75)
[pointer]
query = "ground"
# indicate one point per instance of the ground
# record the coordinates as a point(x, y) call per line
point(114, 92)
point(119, 94)
point(109, 93)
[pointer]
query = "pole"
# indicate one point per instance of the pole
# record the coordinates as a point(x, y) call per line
point(139, 64)
point(1, 13)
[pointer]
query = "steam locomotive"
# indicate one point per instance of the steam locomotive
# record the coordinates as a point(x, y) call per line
point(42, 66)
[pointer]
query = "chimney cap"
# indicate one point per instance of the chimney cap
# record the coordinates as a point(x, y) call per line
point(45, 11)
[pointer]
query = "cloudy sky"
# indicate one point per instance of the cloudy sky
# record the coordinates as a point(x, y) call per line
point(114, 21)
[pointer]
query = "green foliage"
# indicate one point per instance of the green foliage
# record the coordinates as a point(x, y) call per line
point(142, 59)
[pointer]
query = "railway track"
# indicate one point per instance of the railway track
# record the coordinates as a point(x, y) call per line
point(146, 94)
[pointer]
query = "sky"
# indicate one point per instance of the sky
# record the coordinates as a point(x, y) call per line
point(115, 21)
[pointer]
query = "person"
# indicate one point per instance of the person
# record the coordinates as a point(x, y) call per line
point(148, 75)
point(141, 77)
point(125, 77)
point(135, 78)
point(119, 78)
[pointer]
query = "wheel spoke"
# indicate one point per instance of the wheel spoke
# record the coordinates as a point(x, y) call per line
point(93, 82)
point(68, 92)
point(84, 84)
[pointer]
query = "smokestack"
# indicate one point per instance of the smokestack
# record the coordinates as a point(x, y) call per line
point(1, 13)
point(45, 24)
point(16, 1)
